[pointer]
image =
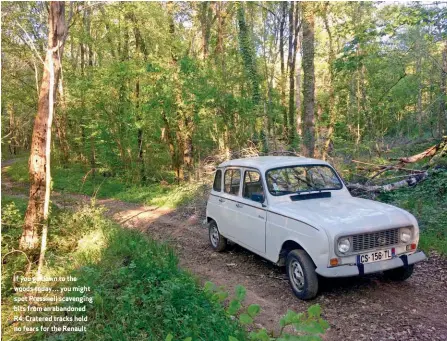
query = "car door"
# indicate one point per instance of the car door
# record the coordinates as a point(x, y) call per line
point(229, 201)
point(215, 205)
point(251, 212)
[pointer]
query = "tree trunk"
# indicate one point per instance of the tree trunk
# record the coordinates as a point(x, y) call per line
point(248, 53)
point(83, 133)
point(141, 47)
point(39, 161)
point(309, 80)
point(88, 12)
point(108, 34)
point(183, 152)
point(293, 35)
point(61, 125)
point(283, 71)
point(12, 129)
point(299, 129)
point(188, 148)
point(442, 119)
point(332, 118)
point(419, 111)
point(167, 135)
point(206, 14)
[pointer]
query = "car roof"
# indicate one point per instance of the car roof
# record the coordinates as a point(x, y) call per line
point(264, 163)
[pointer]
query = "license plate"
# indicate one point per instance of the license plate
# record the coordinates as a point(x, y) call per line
point(374, 256)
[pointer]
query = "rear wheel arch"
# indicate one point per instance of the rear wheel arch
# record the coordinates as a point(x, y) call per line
point(218, 242)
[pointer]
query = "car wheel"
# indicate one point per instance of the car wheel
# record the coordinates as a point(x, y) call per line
point(399, 274)
point(302, 276)
point(218, 242)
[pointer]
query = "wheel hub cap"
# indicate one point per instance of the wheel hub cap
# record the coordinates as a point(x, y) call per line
point(297, 275)
point(214, 234)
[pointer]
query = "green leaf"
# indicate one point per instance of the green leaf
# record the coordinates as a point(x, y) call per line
point(289, 337)
point(169, 337)
point(234, 307)
point(324, 324)
point(209, 287)
point(232, 338)
point(245, 319)
point(289, 318)
point(219, 296)
point(253, 310)
point(189, 338)
point(310, 327)
point(241, 292)
point(314, 310)
point(260, 335)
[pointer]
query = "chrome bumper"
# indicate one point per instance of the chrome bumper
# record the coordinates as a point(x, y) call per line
point(360, 269)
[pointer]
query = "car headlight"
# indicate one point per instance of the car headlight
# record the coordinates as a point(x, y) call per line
point(344, 245)
point(405, 235)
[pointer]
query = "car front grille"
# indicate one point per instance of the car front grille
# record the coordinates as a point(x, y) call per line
point(367, 241)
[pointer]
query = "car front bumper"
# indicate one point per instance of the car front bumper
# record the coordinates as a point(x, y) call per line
point(360, 269)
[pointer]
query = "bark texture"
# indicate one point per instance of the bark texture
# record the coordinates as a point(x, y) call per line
point(39, 165)
point(293, 45)
point(283, 69)
point(442, 103)
point(332, 112)
point(308, 80)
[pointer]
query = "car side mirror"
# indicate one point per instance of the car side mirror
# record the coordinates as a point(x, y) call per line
point(258, 198)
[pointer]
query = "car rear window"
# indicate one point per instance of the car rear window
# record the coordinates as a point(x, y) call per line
point(217, 185)
point(232, 181)
point(252, 185)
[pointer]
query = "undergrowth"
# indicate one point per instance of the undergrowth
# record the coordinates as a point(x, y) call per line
point(428, 203)
point(138, 290)
point(76, 180)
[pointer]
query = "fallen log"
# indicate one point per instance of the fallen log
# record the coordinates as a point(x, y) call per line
point(429, 152)
point(376, 167)
point(408, 182)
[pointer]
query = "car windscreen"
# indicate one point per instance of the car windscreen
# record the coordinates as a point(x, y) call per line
point(302, 178)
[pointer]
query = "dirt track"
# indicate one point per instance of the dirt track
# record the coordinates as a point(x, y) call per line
point(367, 308)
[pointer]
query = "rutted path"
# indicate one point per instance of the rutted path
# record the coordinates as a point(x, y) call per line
point(367, 308)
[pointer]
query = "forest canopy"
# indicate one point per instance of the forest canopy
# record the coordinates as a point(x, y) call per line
point(149, 89)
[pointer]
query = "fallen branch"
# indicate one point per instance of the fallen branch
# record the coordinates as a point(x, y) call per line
point(410, 181)
point(386, 167)
point(429, 152)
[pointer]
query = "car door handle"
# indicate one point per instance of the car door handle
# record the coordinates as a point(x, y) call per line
point(221, 200)
point(239, 205)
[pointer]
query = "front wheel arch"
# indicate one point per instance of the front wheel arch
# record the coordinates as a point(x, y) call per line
point(286, 247)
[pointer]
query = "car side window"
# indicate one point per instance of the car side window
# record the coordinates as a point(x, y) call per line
point(217, 185)
point(232, 181)
point(252, 189)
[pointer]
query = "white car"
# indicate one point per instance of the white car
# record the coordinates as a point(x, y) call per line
point(297, 212)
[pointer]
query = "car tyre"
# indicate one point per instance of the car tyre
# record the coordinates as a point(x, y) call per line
point(399, 274)
point(218, 242)
point(302, 276)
